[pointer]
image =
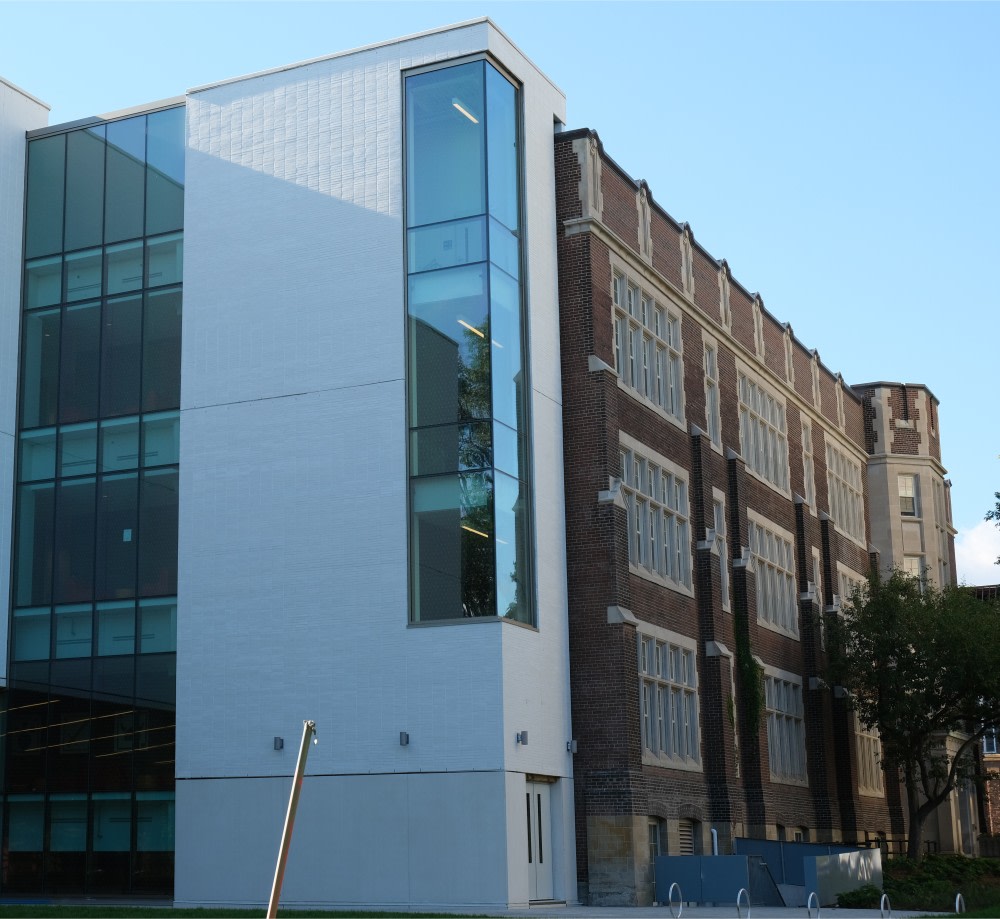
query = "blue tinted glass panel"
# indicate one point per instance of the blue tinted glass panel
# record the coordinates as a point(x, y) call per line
point(504, 249)
point(505, 321)
point(450, 448)
point(446, 167)
point(126, 179)
point(46, 172)
point(74, 630)
point(165, 259)
point(449, 346)
point(123, 270)
point(117, 532)
point(158, 533)
point(451, 534)
point(161, 439)
point(68, 823)
point(112, 823)
point(40, 368)
point(121, 356)
point(501, 113)
point(157, 626)
point(445, 245)
point(31, 634)
point(155, 828)
point(76, 512)
point(161, 351)
point(115, 628)
point(165, 171)
point(38, 455)
point(78, 449)
point(43, 282)
point(26, 823)
point(85, 188)
point(83, 275)
point(512, 549)
point(508, 449)
point(35, 535)
point(120, 444)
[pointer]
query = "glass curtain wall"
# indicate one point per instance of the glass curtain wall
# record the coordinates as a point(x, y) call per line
point(89, 716)
point(469, 500)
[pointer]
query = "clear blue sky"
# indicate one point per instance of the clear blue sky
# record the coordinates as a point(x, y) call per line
point(842, 156)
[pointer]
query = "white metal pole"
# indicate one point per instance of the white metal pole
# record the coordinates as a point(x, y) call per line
point(308, 732)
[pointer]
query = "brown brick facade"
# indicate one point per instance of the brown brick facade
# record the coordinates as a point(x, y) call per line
point(619, 796)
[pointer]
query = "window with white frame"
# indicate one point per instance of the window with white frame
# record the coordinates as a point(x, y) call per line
point(908, 495)
point(914, 566)
point(648, 347)
point(656, 500)
point(843, 476)
point(851, 584)
point(817, 580)
point(721, 544)
point(869, 747)
point(990, 745)
point(713, 415)
point(774, 559)
point(808, 465)
point(668, 690)
point(786, 735)
point(763, 437)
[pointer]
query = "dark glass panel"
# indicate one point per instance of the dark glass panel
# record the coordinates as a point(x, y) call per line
point(78, 383)
point(501, 131)
point(155, 684)
point(70, 728)
point(165, 260)
point(116, 630)
point(450, 448)
point(161, 439)
point(113, 726)
point(126, 174)
point(40, 369)
point(445, 145)
point(32, 632)
point(157, 626)
point(117, 516)
point(43, 282)
point(78, 449)
point(452, 547)
point(46, 181)
point(83, 272)
point(449, 346)
point(38, 455)
point(154, 753)
point(110, 842)
point(85, 188)
point(27, 721)
point(121, 366)
point(74, 549)
point(24, 834)
point(158, 533)
point(66, 859)
point(154, 841)
point(505, 328)
point(446, 245)
point(35, 540)
point(165, 171)
point(74, 632)
point(513, 551)
point(161, 351)
point(120, 444)
point(123, 267)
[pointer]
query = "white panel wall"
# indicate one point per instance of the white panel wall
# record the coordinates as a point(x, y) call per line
point(19, 112)
point(293, 566)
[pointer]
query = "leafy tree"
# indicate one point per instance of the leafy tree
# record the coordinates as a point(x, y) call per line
point(920, 663)
point(995, 515)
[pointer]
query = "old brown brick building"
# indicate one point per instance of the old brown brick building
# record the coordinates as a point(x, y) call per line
point(716, 502)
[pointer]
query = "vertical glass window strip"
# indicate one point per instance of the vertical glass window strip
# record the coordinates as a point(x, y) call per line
point(92, 529)
point(908, 495)
point(845, 492)
point(785, 729)
point(775, 565)
point(713, 416)
point(763, 438)
point(469, 522)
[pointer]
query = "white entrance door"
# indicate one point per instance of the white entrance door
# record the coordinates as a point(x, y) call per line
point(539, 841)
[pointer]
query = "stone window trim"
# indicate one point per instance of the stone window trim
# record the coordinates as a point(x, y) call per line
point(789, 342)
point(775, 433)
point(631, 491)
point(713, 406)
point(720, 547)
point(725, 287)
point(777, 582)
point(868, 744)
point(687, 261)
point(758, 326)
point(658, 640)
point(808, 466)
point(785, 726)
point(841, 417)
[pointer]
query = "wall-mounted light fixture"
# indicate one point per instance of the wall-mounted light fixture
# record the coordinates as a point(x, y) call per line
point(571, 746)
point(522, 738)
point(404, 739)
point(279, 743)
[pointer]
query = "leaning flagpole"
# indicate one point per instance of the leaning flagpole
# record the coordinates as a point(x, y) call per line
point(308, 731)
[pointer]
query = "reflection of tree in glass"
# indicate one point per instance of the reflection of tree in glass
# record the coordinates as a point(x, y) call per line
point(478, 579)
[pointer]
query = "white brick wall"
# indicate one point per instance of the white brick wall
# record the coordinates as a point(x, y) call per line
point(18, 113)
point(293, 565)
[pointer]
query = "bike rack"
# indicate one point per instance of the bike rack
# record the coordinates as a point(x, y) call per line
point(809, 905)
point(884, 907)
point(959, 903)
point(743, 893)
point(680, 900)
